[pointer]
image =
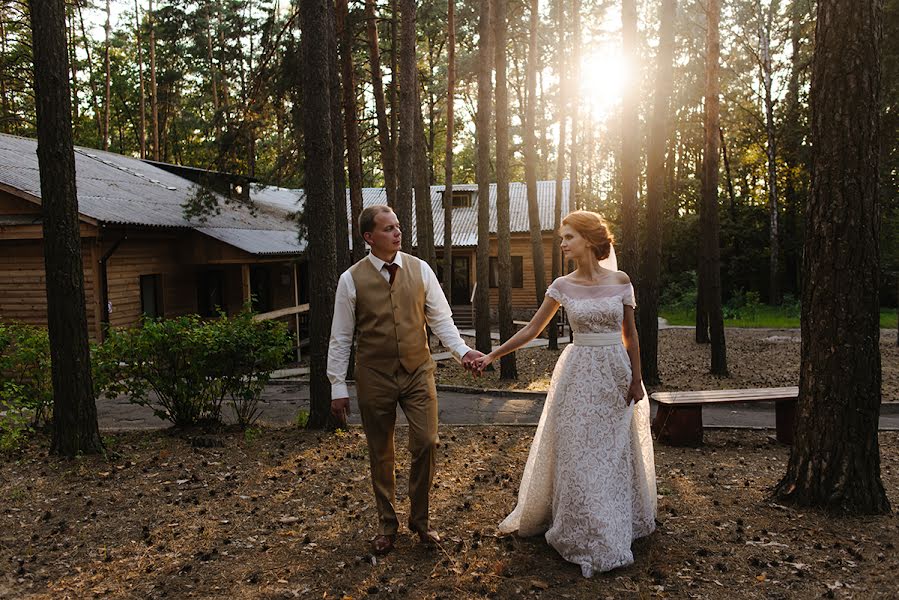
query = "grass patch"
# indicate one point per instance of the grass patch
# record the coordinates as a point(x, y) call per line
point(764, 316)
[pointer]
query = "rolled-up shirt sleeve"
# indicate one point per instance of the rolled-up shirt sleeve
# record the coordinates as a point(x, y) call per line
point(341, 343)
point(439, 314)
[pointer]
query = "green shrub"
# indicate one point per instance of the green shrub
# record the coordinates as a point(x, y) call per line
point(26, 387)
point(246, 352)
point(192, 366)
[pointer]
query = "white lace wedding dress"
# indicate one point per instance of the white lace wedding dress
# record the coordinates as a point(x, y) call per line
point(589, 482)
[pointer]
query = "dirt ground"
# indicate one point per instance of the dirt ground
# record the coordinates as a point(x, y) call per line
point(756, 358)
point(288, 514)
point(285, 513)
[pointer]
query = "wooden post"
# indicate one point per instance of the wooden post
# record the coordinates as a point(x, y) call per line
point(296, 302)
point(245, 284)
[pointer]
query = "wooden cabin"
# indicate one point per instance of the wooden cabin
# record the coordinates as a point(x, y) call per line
point(141, 254)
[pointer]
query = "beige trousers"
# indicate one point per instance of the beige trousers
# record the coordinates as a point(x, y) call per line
point(378, 395)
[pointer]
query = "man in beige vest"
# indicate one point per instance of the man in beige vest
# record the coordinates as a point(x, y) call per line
point(388, 298)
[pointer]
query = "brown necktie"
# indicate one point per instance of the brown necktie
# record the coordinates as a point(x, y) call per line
point(392, 269)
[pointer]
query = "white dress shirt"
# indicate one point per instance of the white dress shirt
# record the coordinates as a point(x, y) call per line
point(438, 315)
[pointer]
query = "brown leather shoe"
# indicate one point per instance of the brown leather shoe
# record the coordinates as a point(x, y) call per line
point(383, 544)
point(428, 537)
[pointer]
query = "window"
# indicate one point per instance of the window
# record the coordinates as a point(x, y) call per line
point(151, 296)
point(210, 292)
point(517, 272)
point(462, 199)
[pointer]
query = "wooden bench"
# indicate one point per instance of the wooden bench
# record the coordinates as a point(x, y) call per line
point(678, 421)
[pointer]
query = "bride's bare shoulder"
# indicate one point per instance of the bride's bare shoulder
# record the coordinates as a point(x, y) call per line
point(621, 277)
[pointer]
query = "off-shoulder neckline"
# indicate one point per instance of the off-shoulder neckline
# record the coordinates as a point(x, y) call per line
point(566, 280)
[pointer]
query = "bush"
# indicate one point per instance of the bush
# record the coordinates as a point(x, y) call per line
point(247, 351)
point(192, 366)
point(26, 386)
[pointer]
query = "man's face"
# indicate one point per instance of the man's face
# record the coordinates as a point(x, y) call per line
point(386, 238)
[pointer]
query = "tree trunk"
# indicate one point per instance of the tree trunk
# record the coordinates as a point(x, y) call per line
point(424, 214)
point(319, 185)
point(732, 202)
point(792, 136)
point(406, 138)
point(835, 457)
point(485, 108)
point(710, 227)
point(154, 101)
point(448, 163)
point(75, 428)
point(108, 96)
point(530, 156)
point(560, 170)
point(385, 141)
point(351, 125)
point(394, 87)
point(140, 73)
point(630, 140)
point(774, 294)
point(341, 226)
point(508, 368)
point(574, 199)
point(648, 292)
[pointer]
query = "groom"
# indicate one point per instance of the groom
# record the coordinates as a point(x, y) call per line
point(387, 298)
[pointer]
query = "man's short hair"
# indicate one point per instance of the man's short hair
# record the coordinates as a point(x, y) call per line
point(367, 217)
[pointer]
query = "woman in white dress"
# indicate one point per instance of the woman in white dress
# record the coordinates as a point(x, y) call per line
point(589, 482)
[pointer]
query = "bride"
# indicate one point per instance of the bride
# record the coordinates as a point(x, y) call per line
point(589, 482)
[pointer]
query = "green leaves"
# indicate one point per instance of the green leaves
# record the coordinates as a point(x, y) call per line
point(193, 366)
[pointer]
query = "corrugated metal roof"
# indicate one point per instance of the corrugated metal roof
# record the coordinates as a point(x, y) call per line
point(121, 190)
point(465, 219)
point(258, 241)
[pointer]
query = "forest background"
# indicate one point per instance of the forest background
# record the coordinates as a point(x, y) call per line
point(218, 85)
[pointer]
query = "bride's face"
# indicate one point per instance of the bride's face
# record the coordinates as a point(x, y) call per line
point(573, 244)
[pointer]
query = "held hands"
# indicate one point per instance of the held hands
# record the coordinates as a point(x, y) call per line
point(469, 361)
point(634, 392)
point(481, 363)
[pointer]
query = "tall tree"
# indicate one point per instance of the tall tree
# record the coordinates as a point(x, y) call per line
point(75, 428)
point(448, 160)
point(650, 268)
point(574, 199)
point(835, 457)
point(630, 143)
point(508, 368)
point(351, 124)
point(385, 139)
point(108, 97)
point(530, 155)
point(154, 98)
point(560, 166)
point(424, 214)
point(341, 226)
point(142, 135)
point(406, 136)
point(483, 341)
point(319, 185)
point(765, 23)
point(710, 255)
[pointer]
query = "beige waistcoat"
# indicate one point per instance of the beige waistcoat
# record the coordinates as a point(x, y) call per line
point(390, 320)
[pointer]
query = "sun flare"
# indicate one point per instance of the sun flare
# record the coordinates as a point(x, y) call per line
point(604, 73)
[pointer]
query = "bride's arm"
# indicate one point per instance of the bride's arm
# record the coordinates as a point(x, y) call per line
point(537, 324)
point(632, 345)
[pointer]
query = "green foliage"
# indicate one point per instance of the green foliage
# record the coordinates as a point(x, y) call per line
point(26, 387)
point(193, 366)
point(301, 419)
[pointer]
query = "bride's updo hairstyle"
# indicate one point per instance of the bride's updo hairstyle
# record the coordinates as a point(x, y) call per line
point(593, 229)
